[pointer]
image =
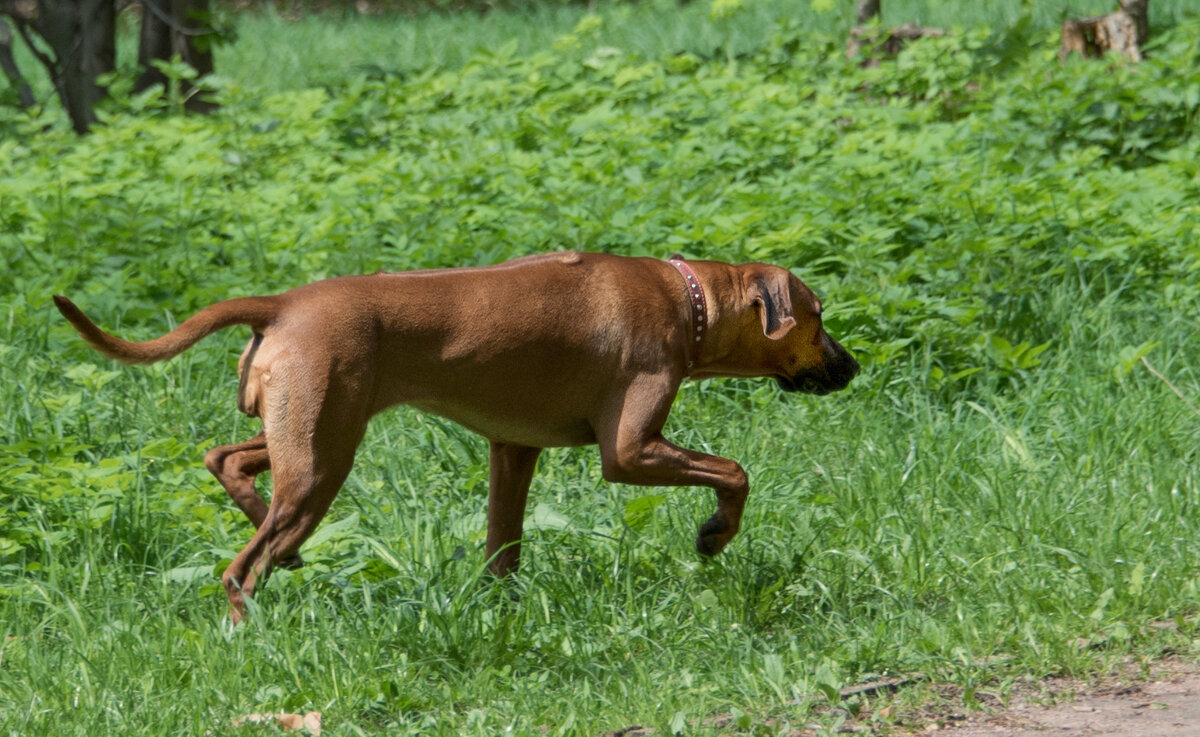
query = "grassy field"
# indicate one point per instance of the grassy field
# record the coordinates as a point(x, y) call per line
point(274, 52)
point(325, 50)
point(1009, 490)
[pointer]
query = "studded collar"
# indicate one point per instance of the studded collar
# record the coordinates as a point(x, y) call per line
point(699, 305)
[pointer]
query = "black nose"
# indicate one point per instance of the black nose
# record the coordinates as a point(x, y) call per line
point(848, 368)
point(840, 366)
point(840, 375)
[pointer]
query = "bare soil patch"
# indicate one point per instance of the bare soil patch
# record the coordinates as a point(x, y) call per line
point(1163, 703)
point(1161, 699)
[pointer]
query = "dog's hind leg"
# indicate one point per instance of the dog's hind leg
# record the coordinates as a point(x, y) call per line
point(301, 498)
point(236, 467)
point(311, 448)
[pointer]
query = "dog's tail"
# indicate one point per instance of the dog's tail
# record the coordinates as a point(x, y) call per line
point(257, 312)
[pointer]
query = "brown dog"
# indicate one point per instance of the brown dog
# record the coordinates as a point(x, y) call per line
point(556, 350)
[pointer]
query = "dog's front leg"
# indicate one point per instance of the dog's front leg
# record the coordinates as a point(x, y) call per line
point(633, 451)
point(510, 474)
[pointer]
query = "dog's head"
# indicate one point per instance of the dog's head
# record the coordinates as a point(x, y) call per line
point(793, 346)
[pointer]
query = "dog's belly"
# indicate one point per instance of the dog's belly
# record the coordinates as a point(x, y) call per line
point(547, 431)
point(525, 389)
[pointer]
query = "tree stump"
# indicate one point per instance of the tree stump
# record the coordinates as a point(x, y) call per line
point(1123, 31)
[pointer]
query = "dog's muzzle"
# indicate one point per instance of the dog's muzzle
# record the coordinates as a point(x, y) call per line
point(836, 372)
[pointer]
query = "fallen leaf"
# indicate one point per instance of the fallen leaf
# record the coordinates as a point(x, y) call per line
point(310, 722)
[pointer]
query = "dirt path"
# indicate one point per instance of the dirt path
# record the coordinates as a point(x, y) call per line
point(1166, 705)
point(1162, 700)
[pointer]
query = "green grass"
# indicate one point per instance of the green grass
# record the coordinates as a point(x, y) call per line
point(325, 49)
point(999, 239)
point(273, 52)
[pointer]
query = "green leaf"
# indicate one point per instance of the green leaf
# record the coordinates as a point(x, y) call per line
point(1129, 356)
point(1101, 604)
point(705, 600)
point(639, 511)
point(334, 531)
point(1137, 579)
point(545, 517)
point(188, 574)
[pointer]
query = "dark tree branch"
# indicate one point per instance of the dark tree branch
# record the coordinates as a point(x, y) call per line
point(872, 42)
point(46, 61)
point(172, 23)
point(9, 65)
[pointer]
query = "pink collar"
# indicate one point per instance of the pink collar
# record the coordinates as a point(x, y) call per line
point(698, 303)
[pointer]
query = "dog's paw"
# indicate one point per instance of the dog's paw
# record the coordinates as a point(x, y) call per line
point(714, 536)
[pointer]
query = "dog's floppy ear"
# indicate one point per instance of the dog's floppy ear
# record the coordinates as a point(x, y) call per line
point(771, 296)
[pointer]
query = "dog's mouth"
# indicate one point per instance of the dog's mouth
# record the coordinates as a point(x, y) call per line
point(802, 384)
point(833, 377)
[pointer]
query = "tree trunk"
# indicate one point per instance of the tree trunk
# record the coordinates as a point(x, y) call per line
point(1124, 31)
point(83, 36)
point(865, 11)
point(176, 28)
